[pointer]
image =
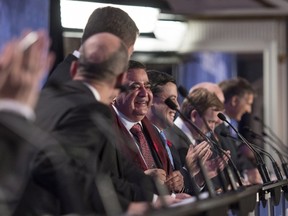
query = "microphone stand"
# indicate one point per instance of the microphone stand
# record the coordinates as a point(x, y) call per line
point(259, 160)
point(273, 134)
point(259, 137)
point(208, 182)
point(227, 169)
point(274, 164)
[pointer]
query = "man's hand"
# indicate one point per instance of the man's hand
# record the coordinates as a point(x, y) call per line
point(175, 181)
point(22, 68)
point(168, 199)
point(215, 164)
point(138, 208)
point(253, 176)
point(159, 174)
point(202, 151)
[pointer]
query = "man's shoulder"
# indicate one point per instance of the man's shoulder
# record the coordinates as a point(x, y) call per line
point(69, 100)
point(61, 73)
point(73, 91)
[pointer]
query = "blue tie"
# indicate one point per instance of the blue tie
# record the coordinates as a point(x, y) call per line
point(167, 148)
point(235, 125)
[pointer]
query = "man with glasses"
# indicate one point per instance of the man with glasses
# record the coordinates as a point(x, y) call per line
point(145, 148)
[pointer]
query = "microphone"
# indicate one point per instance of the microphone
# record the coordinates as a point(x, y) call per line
point(259, 160)
point(259, 137)
point(273, 134)
point(274, 163)
point(254, 135)
point(203, 171)
point(217, 148)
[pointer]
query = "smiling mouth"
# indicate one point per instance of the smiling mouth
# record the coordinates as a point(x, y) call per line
point(141, 103)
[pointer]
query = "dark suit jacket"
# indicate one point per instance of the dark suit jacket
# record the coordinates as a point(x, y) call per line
point(227, 143)
point(84, 126)
point(188, 188)
point(61, 73)
point(28, 148)
point(16, 157)
point(155, 143)
point(180, 141)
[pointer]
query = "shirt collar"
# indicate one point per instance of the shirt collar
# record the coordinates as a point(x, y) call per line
point(125, 121)
point(76, 53)
point(94, 91)
point(182, 126)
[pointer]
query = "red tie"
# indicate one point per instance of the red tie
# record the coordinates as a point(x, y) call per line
point(136, 130)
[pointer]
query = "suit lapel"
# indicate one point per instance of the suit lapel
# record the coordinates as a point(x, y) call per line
point(161, 155)
point(126, 143)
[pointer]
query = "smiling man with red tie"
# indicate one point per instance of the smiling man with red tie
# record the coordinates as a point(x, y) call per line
point(144, 145)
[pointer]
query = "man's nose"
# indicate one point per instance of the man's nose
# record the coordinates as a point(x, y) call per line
point(142, 91)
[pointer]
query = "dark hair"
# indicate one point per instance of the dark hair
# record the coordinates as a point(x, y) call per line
point(113, 65)
point(136, 65)
point(112, 20)
point(158, 79)
point(236, 87)
point(202, 100)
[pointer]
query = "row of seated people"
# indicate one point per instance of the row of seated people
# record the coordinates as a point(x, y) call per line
point(94, 146)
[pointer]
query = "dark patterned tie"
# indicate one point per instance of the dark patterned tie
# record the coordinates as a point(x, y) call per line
point(138, 134)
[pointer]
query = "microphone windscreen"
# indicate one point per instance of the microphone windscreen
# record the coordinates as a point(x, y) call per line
point(170, 104)
point(183, 91)
point(221, 116)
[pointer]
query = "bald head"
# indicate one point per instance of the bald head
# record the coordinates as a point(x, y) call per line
point(211, 87)
point(102, 56)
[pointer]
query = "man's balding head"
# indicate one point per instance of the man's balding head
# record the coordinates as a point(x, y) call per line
point(102, 57)
point(211, 87)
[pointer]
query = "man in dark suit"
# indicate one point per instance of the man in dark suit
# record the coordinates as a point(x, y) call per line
point(239, 97)
point(130, 109)
point(24, 146)
point(163, 86)
point(106, 19)
point(77, 115)
point(143, 148)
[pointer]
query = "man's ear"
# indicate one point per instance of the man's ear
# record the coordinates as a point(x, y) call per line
point(73, 68)
point(193, 115)
point(234, 100)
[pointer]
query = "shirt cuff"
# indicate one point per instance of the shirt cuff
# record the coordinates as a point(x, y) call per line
point(155, 197)
point(18, 108)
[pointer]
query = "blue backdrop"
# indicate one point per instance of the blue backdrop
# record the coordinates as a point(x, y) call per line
point(207, 67)
point(18, 15)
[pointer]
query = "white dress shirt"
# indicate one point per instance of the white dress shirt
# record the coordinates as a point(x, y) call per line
point(182, 126)
point(18, 108)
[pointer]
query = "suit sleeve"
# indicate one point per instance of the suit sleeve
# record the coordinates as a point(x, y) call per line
point(16, 155)
point(90, 141)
